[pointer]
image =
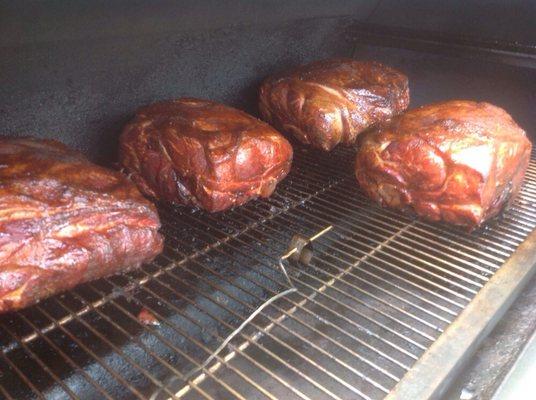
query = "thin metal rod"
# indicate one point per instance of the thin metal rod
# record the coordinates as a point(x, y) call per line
point(239, 329)
point(43, 366)
point(269, 352)
point(363, 221)
point(318, 235)
point(356, 196)
point(429, 252)
point(430, 255)
point(234, 298)
point(420, 278)
point(285, 311)
point(215, 334)
point(119, 351)
point(163, 340)
point(383, 250)
point(262, 261)
point(58, 322)
point(419, 239)
point(201, 265)
point(353, 311)
point(437, 227)
point(134, 339)
point(259, 309)
point(353, 322)
point(23, 376)
point(347, 295)
point(67, 358)
point(5, 394)
point(319, 225)
point(325, 257)
point(409, 282)
point(236, 349)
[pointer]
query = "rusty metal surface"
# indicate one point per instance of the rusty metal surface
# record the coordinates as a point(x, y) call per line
point(499, 351)
point(445, 358)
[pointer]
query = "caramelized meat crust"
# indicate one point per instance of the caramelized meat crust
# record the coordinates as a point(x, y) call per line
point(332, 101)
point(65, 221)
point(457, 161)
point(204, 154)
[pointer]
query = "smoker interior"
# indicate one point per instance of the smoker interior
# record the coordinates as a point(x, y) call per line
point(380, 289)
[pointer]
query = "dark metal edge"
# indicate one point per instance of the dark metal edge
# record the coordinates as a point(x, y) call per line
point(495, 51)
point(439, 365)
point(447, 38)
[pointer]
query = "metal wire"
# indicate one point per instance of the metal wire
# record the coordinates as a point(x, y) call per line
point(380, 288)
point(272, 299)
point(332, 311)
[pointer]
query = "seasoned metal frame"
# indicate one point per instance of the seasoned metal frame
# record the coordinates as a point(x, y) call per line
point(446, 357)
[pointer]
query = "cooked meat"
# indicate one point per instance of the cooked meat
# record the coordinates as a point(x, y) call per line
point(332, 101)
point(64, 221)
point(201, 153)
point(457, 161)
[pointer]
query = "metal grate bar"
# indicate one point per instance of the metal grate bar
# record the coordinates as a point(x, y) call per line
point(380, 288)
point(5, 394)
point(169, 344)
point(412, 237)
point(388, 316)
point(167, 303)
point(383, 253)
point(357, 196)
point(346, 384)
point(300, 306)
point(271, 199)
point(475, 274)
point(212, 333)
point(75, 366)
point(35, 392)
point(201, 265)
point(133, 339)
point(289, 314)
point(285, 345)
point(326, 256)
point(43, 366)
point(362, 291)
point(342, 331)
point(275, 356)
point(317, 215)
point(101, 337)
point(332, 311)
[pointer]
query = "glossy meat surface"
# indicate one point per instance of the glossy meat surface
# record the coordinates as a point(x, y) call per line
point(332, 101)
point(457, 161)
point(201, 153)
point(65, 221)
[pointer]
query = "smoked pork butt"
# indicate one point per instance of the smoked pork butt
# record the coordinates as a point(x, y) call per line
point(459, 161)
point(203, 154)
point(65, 221)
point(332, 101)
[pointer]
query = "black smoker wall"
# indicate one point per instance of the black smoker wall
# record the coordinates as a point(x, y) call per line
point(76, 70)
point(81, 71)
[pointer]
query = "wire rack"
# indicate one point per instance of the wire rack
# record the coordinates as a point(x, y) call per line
point(379, 290)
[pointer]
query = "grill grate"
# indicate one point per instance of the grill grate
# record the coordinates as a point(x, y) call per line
point(378, 292)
